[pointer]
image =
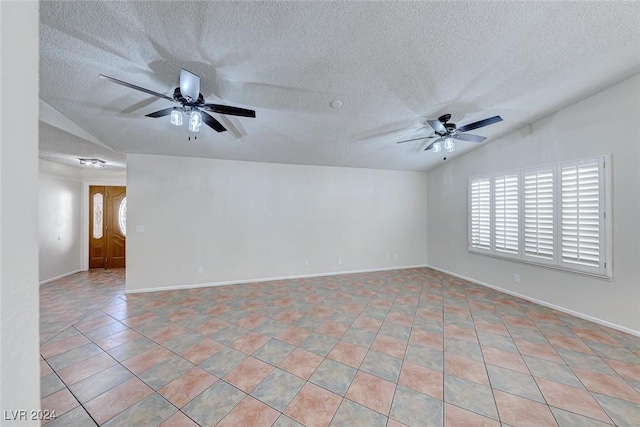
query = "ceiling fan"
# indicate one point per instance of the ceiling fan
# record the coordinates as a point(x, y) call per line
point(446, 133)
point(191, 103)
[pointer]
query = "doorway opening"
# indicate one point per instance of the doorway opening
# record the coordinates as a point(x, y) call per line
point(107, 226)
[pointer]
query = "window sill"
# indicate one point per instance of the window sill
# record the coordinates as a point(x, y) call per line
point(606, 277)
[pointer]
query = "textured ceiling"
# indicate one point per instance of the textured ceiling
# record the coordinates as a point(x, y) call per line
point(59, 146)
point(392, 64)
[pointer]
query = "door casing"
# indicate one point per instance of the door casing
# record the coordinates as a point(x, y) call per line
point(108, 251)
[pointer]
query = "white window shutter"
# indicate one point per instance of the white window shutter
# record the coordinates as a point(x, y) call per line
point(539, 227)
point(506, 215)
point(554, 215)
point(480, 214)
point(581, 215)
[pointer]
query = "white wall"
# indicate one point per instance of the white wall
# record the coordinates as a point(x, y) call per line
point(243, 221)
point(19, 339)
point(64, 215)
point(608, 122)
point(59, 212)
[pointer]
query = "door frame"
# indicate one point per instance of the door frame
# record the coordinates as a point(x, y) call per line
point(84, 260)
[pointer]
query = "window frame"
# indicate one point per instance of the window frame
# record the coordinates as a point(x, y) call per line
point(605, 268)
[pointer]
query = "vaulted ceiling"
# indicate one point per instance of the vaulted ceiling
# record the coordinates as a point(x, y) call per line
point(393, 65)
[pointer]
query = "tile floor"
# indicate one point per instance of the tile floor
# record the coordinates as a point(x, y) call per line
point(406, 347)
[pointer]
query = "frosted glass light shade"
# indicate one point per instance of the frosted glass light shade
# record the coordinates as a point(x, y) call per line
point(176, 118)
point(449, 145)
point(437, 147)
point(195, 121)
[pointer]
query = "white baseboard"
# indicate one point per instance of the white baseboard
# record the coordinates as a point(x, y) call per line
point(60, 276)
point(270, 279)
point(543, 303)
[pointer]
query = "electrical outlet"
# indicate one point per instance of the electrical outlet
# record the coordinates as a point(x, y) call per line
point(388, 256)
point(339, 261)
point(307, 262)
point(516, 278)
point(200, 270)
point(395, 256)
point(139, 228)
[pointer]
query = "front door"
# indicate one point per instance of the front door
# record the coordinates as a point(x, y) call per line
point(107, 226)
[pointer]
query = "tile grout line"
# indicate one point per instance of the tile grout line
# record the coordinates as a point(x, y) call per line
point(118, 363)
point(534, 377)
point(524, 311)
point(568, 366)
point(342, 398)
point(495, 403)
point(402, 363)
point(275, 367)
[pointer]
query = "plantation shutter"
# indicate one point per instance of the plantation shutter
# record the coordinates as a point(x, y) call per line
point(581, 214)
point(539, 214)
point(506, 221)
point(480, 215)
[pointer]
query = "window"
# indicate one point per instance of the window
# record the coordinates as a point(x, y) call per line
point(552, 215)
point(97, 216)
point(122, 217)
point(581, 213)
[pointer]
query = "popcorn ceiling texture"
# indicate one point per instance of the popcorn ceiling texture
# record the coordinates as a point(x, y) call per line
point(392, 64)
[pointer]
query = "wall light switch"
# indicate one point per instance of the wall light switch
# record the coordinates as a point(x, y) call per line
point(516, 278)
point(139, 228)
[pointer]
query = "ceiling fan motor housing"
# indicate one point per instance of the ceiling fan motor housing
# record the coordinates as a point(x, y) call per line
point(177, 95)
point(449, 127)
point(444, 118)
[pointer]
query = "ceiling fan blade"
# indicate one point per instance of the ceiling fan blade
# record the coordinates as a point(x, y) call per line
point(430, 146)
point(189, 85)
point(160, 113)
point(416, 139)
point(141, 89)
point(469, 137)
point(437, 125)
point(481, 123)
point(230, 111)
point(213, 123)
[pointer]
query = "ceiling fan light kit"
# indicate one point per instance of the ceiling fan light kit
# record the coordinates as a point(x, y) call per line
point(446, 133)
point(97, 163)
point(191, 103)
